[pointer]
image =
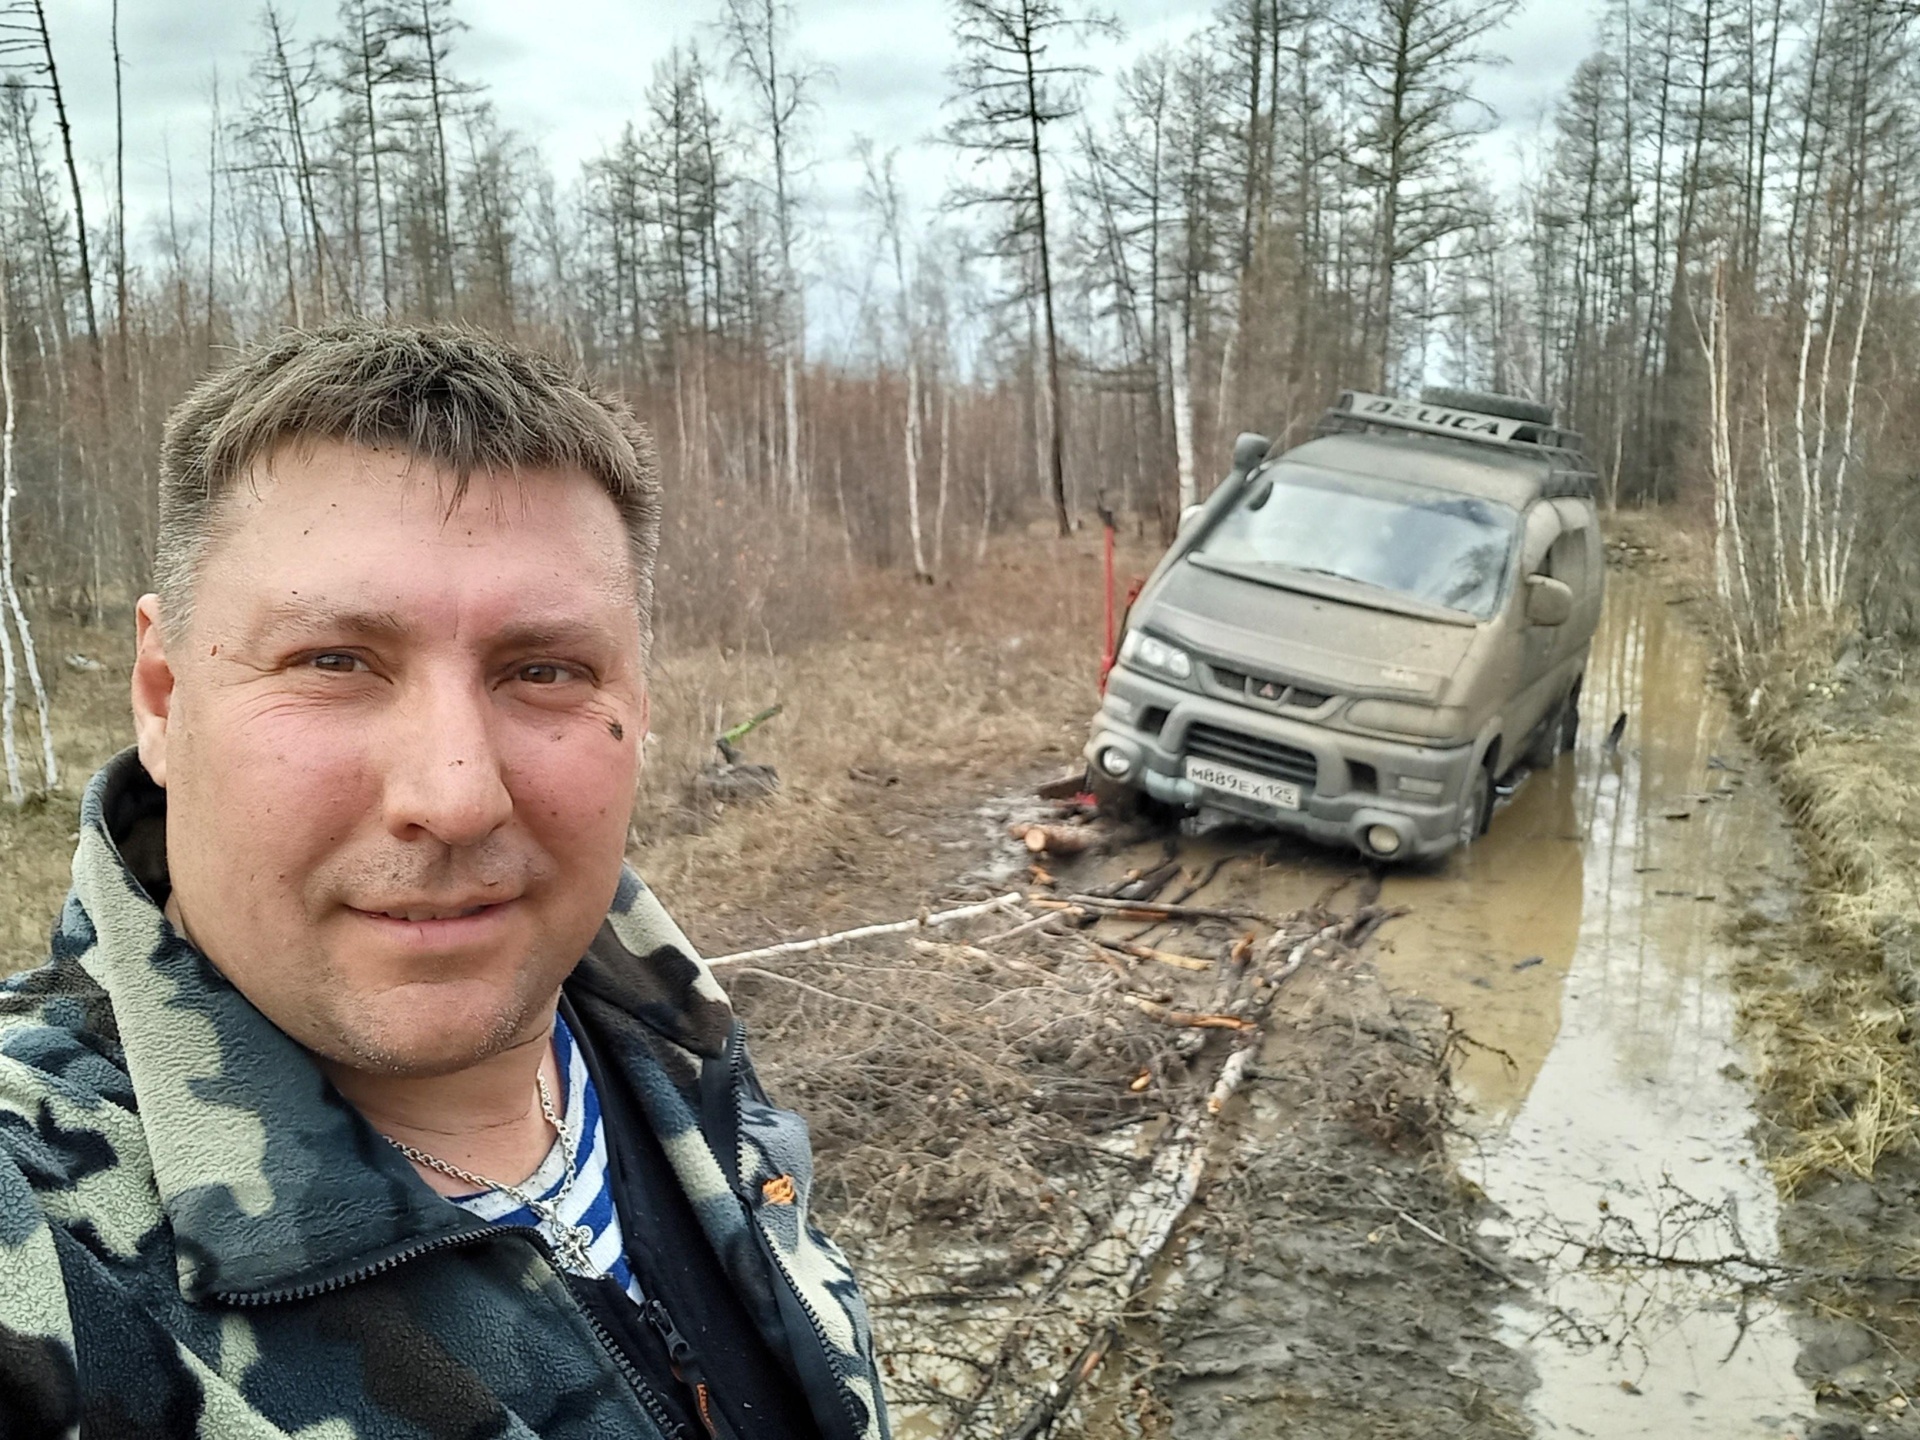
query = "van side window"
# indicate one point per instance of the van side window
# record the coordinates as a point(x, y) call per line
point(1567, 561)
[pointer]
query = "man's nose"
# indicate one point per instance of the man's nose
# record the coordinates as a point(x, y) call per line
point(444, 774)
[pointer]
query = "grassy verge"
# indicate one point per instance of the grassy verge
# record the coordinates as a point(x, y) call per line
point(1839, 723)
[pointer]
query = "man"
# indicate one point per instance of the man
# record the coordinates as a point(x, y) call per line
point(318, 1122)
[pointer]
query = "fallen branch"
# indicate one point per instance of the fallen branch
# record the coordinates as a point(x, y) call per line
point(1454, 1245)
point(1055, 839)
point(938, 1037)
point(1147, 952)
point(1231, 1074)
point(1143, 885)
point(1154, 909)
point(920, 922)
point(1203, 879)
point(1193, 1135)
point(944, 950)
point(1187, 1019)
point(1165, 957)
point(1298, 955)
point(1024, 927)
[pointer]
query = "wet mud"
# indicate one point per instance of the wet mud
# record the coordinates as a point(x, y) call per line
point(1608, 1114)
point(1580, 961)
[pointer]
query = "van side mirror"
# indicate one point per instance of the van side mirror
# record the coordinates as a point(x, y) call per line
point(1549, 601)
point(1248, 451)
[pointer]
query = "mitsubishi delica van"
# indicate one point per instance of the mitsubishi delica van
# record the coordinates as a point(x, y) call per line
point(1357, 639)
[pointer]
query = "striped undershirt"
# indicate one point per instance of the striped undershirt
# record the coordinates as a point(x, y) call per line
point(590, 1201)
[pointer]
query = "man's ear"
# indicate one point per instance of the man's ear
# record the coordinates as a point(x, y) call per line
point(152, 688)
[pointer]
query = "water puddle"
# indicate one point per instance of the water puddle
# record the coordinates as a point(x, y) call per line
point(1582, 945)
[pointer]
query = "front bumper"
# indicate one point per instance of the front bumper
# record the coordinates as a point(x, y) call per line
point(1355, 784)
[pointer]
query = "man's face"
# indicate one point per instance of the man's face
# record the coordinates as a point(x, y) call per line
point(399, 744)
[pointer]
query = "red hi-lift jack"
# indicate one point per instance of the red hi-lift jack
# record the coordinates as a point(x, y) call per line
point(1109, 654)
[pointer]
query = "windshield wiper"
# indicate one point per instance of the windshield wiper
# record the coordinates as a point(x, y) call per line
point(1378, 597)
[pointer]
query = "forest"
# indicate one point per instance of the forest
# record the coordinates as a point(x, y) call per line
point(1706, 257)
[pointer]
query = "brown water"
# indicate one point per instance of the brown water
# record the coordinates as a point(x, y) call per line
point(1583, 945)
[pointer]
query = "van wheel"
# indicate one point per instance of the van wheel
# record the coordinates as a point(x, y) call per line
point(1549, 740)
point(1113, 799)
point(1477, 813)
point(1117, 800)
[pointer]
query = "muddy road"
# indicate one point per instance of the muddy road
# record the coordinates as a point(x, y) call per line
point(1582, 957)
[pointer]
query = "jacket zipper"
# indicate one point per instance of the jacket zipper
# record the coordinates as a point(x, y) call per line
point(687, 1369)
point(734, 1052)
point(643, 1392)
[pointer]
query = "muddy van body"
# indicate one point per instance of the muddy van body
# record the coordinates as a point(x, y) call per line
point(1359, 638)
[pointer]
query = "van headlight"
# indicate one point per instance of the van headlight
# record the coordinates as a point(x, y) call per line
point(1142, 650)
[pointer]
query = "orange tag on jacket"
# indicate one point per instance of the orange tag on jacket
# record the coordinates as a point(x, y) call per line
point(779, 1190)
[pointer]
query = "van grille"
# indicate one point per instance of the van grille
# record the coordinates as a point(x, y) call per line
point(1251, 752)
point(1269, 692)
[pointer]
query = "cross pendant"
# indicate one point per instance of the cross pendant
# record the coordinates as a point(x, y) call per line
point(572, 1241)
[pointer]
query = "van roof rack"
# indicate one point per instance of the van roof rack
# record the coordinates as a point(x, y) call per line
point(1357, 412)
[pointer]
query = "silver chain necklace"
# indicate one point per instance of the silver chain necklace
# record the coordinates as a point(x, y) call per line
point(569, 1241)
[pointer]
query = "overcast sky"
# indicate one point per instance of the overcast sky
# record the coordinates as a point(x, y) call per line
point(567, 73)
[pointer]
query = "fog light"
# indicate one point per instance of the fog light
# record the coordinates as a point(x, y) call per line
point(1383, 839)
point(1116, 762)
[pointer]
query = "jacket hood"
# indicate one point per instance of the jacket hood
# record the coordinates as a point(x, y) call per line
point(270, 1179)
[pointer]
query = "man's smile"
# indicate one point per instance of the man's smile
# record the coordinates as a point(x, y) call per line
point(437, 927)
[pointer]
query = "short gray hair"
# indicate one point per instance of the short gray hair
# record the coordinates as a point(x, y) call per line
point(459, 399)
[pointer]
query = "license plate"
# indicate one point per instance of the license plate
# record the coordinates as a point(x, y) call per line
point(1277, 793)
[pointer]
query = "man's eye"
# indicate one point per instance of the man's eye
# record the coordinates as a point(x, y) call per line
point(337, 662)
point(544, 673)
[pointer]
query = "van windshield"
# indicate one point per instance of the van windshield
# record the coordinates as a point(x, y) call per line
point(1433, 546)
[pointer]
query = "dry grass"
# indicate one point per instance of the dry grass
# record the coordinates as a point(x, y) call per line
point(920, 705)
point(1843, 740)
point(92, 719)
point(944, 1082)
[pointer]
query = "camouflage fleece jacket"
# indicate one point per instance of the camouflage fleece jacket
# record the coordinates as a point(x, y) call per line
point(198, 1237)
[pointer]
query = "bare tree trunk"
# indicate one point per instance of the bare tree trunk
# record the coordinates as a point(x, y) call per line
point(119, 199)
point(1837, 520)
point(73, 178)
point(49, 766)
point(213, 213)
point(946, 459)
point(1056, 401)
point(986, 505)
point(443, 199)
point(373, 156)
point(1189, 493)
point(920, 571)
